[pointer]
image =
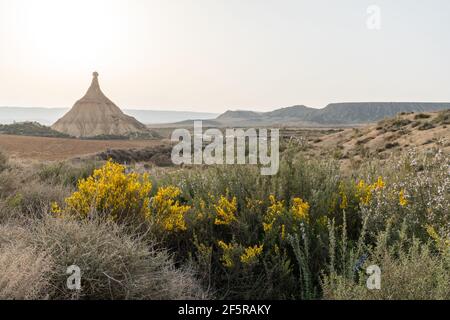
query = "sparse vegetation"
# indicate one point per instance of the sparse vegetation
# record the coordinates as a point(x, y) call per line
point(226, 232)
point(392, 145)
point(159, 155)
point(3, 161)
point(422, 116)
point(30, 129)
point(442, 118)
point(426, 126)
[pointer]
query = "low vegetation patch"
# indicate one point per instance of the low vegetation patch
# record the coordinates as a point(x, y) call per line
point(426, 126)
point(227, 232)
point(30, 129)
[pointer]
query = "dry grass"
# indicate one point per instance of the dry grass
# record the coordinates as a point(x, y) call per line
point(24, 272)
point(35, 254)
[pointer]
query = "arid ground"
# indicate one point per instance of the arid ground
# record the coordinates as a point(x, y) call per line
point(40, 148)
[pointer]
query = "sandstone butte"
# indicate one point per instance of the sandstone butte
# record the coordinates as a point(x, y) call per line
point(95, 115)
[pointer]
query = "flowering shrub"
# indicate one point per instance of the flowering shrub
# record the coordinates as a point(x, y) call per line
point(289, 217)
point(417, 190)
point(251, 254)
point(229, 250)
point(113, 192)
point(274, 211)
point(365, 191)
point(226, 211)
point(300, 210)
point(167, 211)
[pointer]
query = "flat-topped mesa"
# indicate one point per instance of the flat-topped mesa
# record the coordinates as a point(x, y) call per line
point(96, 115)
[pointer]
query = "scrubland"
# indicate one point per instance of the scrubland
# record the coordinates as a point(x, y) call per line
point(226, 232)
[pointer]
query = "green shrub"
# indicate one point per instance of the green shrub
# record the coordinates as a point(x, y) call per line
point(36, 198)
point(66, 173)
point(410, 270)
point(422, 116)
point(216, 245)
point(3, 161)
point(296, 235)
point(427, 126)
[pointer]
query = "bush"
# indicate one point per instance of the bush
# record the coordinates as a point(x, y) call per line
point(3, 161)
point(8, 183)
point(392, 145)
point(422, 116)
point(65, 173)
point(442, 118)
point(235, 210)
point(114, 265)
point(301, 234)
point(427, 126)
point(36, 198)
point(24, 272)
point(113, 192)
point(239, 230)
point(30, 129)
point(410, 270)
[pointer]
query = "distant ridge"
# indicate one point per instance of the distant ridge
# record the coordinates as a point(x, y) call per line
point(48, 116)
point(371, 111)
point(239, 115)
point(344, 114)
point(333, 114)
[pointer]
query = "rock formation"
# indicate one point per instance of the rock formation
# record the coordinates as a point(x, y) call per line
point(95, 115)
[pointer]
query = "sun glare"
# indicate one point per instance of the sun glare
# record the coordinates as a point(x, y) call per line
point(71, 34)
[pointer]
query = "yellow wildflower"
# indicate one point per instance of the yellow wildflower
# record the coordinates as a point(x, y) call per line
point(364, 192)
point(402, 199)
point(344, 199)
point(112, 191)
point(226, 211)
point(251, 254)
point(55, 208)
point(379, 184)
point(227, 257)
point(168, 211)
point(273, 212)
point(283, 232)
point(300, 209)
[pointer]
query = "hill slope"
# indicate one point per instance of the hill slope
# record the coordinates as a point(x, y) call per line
point(371, 111)
point(422, 131)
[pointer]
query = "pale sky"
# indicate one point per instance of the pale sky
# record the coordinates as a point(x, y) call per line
point(215, 55)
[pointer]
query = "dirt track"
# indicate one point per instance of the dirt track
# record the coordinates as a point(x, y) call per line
point(39, 148)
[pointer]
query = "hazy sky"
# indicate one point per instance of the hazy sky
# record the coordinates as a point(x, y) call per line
point(214, 55)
